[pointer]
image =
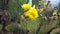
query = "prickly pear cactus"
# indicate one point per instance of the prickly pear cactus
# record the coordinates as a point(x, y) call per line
point(39, 18)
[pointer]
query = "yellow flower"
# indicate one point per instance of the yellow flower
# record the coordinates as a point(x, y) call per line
point(41, 10)
point(55, 12)
point(32, 13)
point(26, 6)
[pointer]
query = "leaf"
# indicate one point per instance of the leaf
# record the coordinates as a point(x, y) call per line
point(12, 27)
point(55, 31)
point(46, 27)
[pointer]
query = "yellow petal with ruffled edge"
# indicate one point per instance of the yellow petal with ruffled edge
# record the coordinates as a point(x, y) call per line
point(26, 6)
